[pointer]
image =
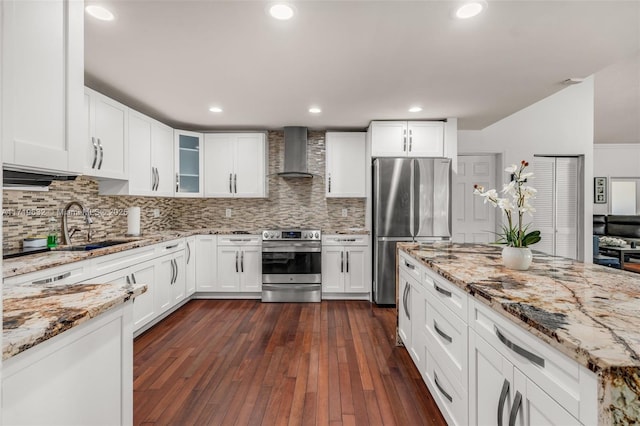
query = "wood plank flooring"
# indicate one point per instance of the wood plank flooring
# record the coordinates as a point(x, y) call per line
point(242, 362)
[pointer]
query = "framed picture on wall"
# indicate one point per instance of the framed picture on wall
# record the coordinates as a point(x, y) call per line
point(600, 190)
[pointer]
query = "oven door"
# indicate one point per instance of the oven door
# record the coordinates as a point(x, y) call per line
point(291, 263)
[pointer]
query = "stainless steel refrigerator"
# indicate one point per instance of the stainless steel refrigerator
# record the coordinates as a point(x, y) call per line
point(411, 202)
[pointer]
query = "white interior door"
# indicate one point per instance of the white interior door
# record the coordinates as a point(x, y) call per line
point(473, 220)
point(545, 175)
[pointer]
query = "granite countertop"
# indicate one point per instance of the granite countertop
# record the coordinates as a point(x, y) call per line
point(34, 313)
point(589, 312)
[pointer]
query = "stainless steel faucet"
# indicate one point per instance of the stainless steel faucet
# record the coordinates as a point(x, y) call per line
point(66, 238)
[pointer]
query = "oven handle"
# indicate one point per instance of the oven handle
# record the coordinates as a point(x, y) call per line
point(288, 249)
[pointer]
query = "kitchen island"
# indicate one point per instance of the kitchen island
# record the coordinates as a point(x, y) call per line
point(588, 313)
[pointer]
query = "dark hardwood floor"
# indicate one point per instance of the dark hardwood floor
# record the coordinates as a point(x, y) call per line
point(242, 362)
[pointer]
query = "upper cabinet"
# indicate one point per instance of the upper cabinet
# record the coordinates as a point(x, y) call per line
point(345, 165)
point(407, 138)
point(42, 81)
point(188, 164)
point(236, 164)
point(106, 141)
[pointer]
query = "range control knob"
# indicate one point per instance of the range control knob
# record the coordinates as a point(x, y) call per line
point(265, 234)
point(317, 235)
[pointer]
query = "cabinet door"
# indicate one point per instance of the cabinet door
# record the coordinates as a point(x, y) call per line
point(249, 165)
point(164, 278)
point(418, 310)
point(228, 276)
point(426, 139)
point(141, 176)
point(218, 158)
point(404, 310)
point(250, 269)
point(190, 265)
point(42, 75)
point(143, 305)
point(109, 124)
point(356, 270)
point(179, 287)
point(333, 269)
point(537, 407)
point(345, 165)
point(389, 138)
point(206, 262)
point(162, 159)
point(188, 164)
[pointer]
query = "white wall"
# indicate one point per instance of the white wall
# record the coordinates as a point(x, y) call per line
point(561, 124)
point(615, 160)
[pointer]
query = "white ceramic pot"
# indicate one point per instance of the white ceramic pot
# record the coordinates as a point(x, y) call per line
point(518, 258)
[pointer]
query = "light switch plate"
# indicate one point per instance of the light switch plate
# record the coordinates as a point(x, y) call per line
point(345, 212)
point(227, 212)
point(156, 212)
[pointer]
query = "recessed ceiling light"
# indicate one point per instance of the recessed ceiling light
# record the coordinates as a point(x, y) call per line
point(215, 109)
point(315, 110)
point(415, 109)
point(99, 12)
point(470, 9)
point(281, 11)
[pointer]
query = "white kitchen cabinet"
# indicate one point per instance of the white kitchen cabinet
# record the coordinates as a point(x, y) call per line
point(42, 57)
point(164, 284)
point(188, 164)
point(404, 309)
point(162, 159)
point(206, 263)
point(179, 286)
point(141, 175)
point(239, 264)
point(345, 266)
point(407, 138)
point(190, 265)
point(106, 140)
point(345, 164)
point(235, 165)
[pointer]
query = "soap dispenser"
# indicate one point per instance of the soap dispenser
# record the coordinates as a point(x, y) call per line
point(52, 236)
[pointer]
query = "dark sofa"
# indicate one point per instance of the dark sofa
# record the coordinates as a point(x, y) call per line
point(626, 227)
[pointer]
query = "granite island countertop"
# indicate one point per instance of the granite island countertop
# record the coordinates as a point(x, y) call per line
point(589, 312)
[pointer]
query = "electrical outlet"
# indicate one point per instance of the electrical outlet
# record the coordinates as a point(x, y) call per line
point(227, 212)
point(156, 212)
point(345, 212)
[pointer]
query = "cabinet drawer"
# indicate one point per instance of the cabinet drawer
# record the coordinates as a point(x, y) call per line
point(450, 295)
point(67, 274)
point(113, 262)
point(170, 247)
point(450, 395)
point(238, 240)
point(345, 240)
point(553, 371)
point(447, 335)
point(410, 266)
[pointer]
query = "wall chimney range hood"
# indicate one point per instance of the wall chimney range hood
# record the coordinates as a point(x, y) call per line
point(295, 153)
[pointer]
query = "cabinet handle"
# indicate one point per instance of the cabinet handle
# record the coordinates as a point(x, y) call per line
point(133, 278)
point(240, 240)
point(442, 290)
point(410, 139)
point(346, 240)
point(177, 182)
point(444, 335)
point(157, 174)
point(407, 290)
point(242, 261)
point(408, 265)
point(236, 262)
point(153, 178)
point(173, 271)
point(101, 154)
point(230, 183)
point(171, 247)
point(95, 152)
point(128, 280)
point(329, 184)
point(503, 398)
point(517, 402)
point(175, 262)
point(188, 252)
point(404, 137)
point(347, 262)
point(440, 388)
point(235, 183)
point(518, 349)
point(53, 279)
point(341, 262)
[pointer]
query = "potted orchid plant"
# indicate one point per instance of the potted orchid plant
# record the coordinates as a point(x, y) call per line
point(515, 233)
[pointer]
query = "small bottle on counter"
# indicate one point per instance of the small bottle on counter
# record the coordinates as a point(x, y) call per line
point(52, 236)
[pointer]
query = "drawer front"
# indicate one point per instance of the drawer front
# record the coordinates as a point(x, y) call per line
point(450, 395)
point(345, 240)
point(450, 295)
point(553, 371)
point(124, 259)
point(410, 266)
point(239, 240)
point(67, 274)
point(170, 247)
point(448, 335)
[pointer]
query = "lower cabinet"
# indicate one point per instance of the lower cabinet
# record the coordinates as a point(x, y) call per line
point(190, 266)
point(206, 262)
point(170, 281)
point(404, 306)
point(239, 265)
point(346, 267)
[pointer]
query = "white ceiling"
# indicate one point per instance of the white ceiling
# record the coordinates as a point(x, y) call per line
point(363, 60)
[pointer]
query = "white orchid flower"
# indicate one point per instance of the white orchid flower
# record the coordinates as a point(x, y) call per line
point(511, 169)
point(505, 204)
point(509, 188)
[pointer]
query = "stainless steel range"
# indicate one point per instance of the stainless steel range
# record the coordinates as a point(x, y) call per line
point(291, 266)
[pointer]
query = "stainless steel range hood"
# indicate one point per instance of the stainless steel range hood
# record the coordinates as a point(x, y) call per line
point(19, 178)
point(295, 153)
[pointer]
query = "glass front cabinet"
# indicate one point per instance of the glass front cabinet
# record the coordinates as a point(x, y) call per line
point(188, 170)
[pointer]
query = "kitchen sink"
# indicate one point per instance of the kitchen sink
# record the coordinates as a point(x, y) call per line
point(94, 246)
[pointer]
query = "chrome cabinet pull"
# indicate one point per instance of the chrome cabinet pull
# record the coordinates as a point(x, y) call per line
point(342, 262)
point(242, 261)
point(346, 240)
point(236, 262)
point(101, 154)
point(235, 183)
point(153, 178)
point(407, 290)
point(240, 240)
point(442, 290)
point(177, 182)
point(177, 270)
point(440, 388)
point(444, 335)
point(53, 279)
point(518, 349)
point(404, 137)
point(95, 152)
point(173, 271)
point(408, 265)
point(133, 278)
point(128, 280)
point(410, 139)
point(157, 173)
point(347, 262)
point(503, 398)
point(230, 183)
point(517, 402)
point(188, 252)
point(171, 247)
point(329, 184)
point(175, 274)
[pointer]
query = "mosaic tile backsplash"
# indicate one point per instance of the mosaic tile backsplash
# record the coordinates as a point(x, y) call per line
point(294, 202)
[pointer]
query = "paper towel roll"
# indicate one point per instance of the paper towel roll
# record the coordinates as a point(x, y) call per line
point(133, 221)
